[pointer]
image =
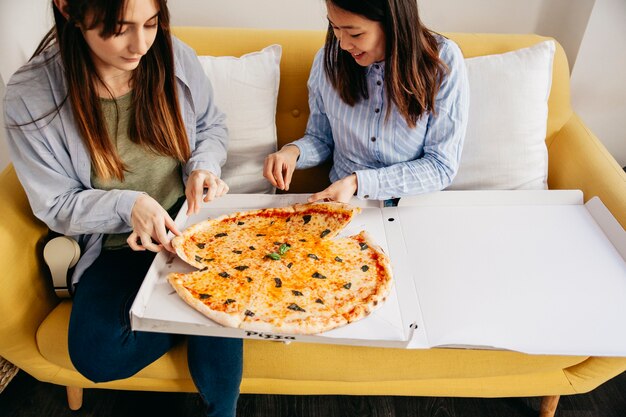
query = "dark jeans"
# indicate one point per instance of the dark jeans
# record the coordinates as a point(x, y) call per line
point(103, 347)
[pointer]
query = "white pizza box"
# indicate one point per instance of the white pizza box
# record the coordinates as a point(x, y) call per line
point(531, 271)
point(158, 308)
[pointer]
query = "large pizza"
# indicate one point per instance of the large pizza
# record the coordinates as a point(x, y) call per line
point(282, 270)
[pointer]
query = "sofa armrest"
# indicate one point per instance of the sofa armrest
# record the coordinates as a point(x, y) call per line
point(578, 160)
point(26, 296)
point(593, 371)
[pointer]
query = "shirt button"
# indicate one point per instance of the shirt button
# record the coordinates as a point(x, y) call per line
point(377, 111)
point(366, 196)
point(373, 139)
point(379, 82)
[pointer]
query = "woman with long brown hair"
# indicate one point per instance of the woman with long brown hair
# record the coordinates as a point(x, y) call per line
point(111, 126)
point(388, 101)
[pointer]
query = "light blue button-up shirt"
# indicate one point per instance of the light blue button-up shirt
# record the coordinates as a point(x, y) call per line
point(389, 158)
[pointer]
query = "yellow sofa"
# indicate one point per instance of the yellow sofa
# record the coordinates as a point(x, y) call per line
point(33, 329)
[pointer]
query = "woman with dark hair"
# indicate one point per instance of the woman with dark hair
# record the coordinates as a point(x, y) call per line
point(111, 126)
point(389, 102)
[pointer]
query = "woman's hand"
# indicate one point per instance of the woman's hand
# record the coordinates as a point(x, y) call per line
point(279, 166)
point(196, 183)
point(341, 191)
point(150, 224)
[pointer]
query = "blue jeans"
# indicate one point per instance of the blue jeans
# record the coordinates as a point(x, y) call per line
point(103, 347)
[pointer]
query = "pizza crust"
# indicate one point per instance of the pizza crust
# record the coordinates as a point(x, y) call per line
point(225, 319)
point(294, 327)
point(384, 286)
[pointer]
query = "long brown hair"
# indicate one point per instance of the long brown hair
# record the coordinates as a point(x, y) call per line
point(155, 121)
point(413, 70)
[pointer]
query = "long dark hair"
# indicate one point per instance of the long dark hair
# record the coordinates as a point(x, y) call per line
point(413, 69)
point(155, 121)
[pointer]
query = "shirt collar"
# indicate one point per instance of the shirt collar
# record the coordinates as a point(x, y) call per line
point(377, 68)
point(179, 61)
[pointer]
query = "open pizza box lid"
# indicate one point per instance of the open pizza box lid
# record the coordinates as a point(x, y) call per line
point(531, 271)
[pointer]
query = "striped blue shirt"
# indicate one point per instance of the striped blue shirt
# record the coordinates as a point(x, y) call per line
point(389, 158)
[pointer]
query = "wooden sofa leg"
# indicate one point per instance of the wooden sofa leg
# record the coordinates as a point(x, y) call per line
point(548, 405)
point(74, 398)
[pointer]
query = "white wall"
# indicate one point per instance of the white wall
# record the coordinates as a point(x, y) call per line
point(23, 23)
point(279, 14)
point(599, 77)
point(563, 19)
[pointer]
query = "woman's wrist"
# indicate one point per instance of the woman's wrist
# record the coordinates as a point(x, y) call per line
point(354, 180)
point(291, 149)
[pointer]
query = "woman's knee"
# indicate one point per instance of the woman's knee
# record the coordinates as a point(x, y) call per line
point(97, 357)
point(107, 354)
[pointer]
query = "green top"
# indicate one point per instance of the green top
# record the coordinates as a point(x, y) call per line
point(156, 175)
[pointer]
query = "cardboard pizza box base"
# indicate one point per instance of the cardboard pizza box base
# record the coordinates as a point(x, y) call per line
point(530, 271)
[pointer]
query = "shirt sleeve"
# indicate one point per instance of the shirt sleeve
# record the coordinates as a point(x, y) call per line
point(443, 141)
point(210, 144)
point(317, 144)
point(56, 196)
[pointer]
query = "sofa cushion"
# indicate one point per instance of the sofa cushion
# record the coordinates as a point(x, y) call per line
point(264, 360)
point(505, 142)
point(246, 90)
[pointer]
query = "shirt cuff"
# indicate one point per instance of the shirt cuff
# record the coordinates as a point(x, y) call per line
point(125, 205)
point(367, 181)
point(214, 168)
point(307, 153)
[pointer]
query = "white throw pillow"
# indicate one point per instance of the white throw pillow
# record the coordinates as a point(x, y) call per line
point(505, 143)
point(246, 90)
